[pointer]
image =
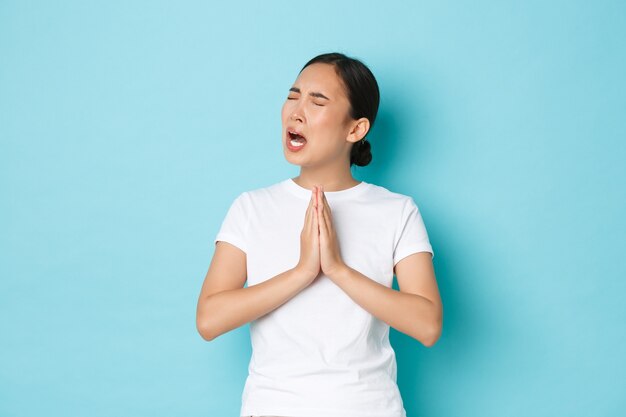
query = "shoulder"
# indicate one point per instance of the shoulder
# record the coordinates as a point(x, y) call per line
point(260, 193)
point(388, 197)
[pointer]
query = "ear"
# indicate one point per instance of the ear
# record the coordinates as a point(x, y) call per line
point(359, 129)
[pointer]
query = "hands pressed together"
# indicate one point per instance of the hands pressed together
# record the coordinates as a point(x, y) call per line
point(319, 247)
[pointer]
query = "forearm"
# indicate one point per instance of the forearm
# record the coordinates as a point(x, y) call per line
point(230, 309)
point(410, 314)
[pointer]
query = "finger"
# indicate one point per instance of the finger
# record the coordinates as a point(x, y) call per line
point(322, 220)
point(327, 212)
point(317, 206)
point(308, 221)
point(317, 195)
point(327, 222)
point(315, 226)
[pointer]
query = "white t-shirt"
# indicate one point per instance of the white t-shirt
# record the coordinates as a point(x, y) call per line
point(321, 354)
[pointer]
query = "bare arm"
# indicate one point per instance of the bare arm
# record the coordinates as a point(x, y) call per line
point(415, 310)
point(224, 304)
point(222, 311)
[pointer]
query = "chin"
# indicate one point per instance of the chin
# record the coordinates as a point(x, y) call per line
point(292, 160)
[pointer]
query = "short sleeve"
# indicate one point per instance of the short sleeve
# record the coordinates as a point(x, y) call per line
point(412, 236)
point(235, 225)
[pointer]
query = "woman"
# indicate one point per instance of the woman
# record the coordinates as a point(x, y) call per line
point(319, 252)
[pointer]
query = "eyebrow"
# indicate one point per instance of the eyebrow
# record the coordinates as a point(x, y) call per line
point(313, 93)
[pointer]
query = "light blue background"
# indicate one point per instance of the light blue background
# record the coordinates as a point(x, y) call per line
point(127, 129)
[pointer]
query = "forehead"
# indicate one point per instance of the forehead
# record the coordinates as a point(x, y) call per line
point(321, 77)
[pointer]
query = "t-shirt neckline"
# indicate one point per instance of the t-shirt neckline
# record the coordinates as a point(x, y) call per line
point(305, 193)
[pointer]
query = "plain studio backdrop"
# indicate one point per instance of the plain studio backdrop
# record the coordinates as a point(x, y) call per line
point(127, 128)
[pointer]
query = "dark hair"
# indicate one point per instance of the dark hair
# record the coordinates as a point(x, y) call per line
point(362, 92)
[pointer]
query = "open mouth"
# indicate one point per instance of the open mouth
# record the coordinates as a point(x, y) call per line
point(295, 138)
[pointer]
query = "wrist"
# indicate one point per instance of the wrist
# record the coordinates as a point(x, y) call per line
point(303, 273)
point(338, 272)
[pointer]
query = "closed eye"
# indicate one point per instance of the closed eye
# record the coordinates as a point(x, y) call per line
point(295, 98)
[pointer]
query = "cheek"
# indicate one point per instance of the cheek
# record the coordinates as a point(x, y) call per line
point(330, 123)
point(288, 108)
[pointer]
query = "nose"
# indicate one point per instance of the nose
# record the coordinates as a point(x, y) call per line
point(297, 114)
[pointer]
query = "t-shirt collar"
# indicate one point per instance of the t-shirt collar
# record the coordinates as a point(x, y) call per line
point(305, 193)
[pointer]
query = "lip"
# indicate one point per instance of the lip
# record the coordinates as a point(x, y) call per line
point(288, 139)
point(291, 147)
point(294, 130)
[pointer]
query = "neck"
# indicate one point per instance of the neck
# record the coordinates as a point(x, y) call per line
point(331, 180)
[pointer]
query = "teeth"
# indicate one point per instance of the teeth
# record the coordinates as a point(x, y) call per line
point(296, 143)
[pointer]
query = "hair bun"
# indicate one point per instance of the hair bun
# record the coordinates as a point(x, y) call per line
point(361, 153)
point(363, 94)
